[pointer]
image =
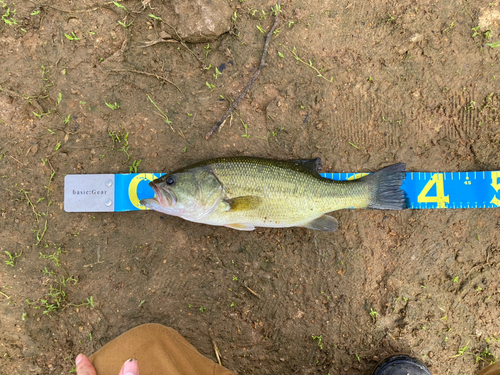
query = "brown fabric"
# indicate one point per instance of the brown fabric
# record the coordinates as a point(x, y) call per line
point(493, 369)
point(159, 350)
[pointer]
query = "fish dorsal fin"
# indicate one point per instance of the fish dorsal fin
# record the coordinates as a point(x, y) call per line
point(247, 227)
point(248, 202)
point(314, 165)
point(323, 223)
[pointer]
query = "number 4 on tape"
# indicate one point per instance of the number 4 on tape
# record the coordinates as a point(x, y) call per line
point(439, 198)
point(494, 183)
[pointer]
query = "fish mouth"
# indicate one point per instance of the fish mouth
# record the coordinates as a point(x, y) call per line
point(164, 197)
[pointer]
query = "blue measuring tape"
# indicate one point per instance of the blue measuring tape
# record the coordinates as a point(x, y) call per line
point(424, 190)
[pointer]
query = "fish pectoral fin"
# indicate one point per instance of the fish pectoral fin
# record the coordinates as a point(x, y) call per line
point(314, 165)
point(245, 203)
point(323, 223)
point(247, 227)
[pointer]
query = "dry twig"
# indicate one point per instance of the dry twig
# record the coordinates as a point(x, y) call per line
point(254, 78)
point(251, 291)
point(148, 74)
point(76, 10)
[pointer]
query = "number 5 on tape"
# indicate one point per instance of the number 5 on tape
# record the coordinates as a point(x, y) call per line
point(439, 198)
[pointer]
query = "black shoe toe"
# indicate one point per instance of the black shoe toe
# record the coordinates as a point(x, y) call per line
point(401, 364)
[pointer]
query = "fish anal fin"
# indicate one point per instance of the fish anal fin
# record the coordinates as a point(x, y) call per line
point(323, 223)
point(314, 165)
point(245, 203)
point(239, 226)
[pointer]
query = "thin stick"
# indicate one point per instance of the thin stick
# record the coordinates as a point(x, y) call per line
point(217, 352)
point(216, 349)
point(76, 10)
point(148, 74)
point(254, 78)
point(251, 291)
point(15, 159)
point(183, 43)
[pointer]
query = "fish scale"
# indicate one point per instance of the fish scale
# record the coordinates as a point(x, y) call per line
point(287, 194)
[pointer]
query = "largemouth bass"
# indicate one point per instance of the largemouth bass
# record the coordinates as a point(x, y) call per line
point(245, 192)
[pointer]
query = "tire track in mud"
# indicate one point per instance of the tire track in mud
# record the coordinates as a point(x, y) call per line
point(370, 121)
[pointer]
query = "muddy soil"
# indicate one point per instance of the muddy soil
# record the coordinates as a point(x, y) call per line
point(402, 81)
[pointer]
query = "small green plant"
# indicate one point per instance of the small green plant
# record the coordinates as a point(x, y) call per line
point(476, 31)
point(235, 278)
point(90, 301)
point(210, 86)
point(113, 106)
point(450, 27)
point(217, 73)
point(261, 29)
point(72, 36)
point(8, 17)
point(235, 16)
point(203, 309)
point(12, 258)
point(135, 164)
point(462, 351)
point(41, 114)
point(373, 314)
point(54, 257)
point(246, 135)
point(233, 304)
point(155, 17)
point(310, 64)
point(207, 50)
point(320, 341)
point(125, 25)
point(118, 5)
point(56, 297)
point(161, 114)
point(276, 10)
point(494, 44)
point(455, 279)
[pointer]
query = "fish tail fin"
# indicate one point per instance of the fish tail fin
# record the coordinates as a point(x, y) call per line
point(385, 187)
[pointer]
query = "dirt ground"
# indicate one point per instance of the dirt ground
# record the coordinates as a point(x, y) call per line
point(402, 81)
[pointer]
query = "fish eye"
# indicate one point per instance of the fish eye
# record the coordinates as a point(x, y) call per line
point(170, 181)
